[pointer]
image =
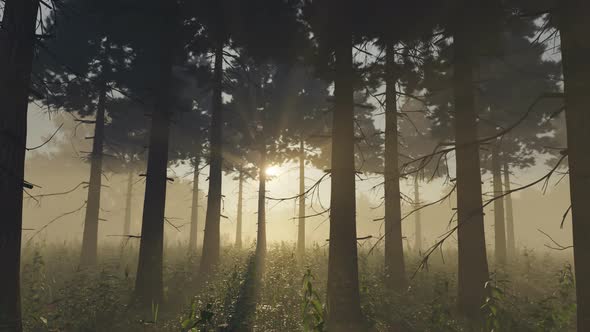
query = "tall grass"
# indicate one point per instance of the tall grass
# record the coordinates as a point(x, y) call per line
point(534, 293)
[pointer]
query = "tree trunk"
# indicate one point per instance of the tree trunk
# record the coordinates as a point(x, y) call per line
point(301, 224)
point(394, 248)
point(509, 214)
point(240, 207)
point(88, 256)
point(128, 198)
point(16, 56)
point(148, 283)
point(575, 48)
point(211, 241)
point(344, 312)
point(261, 229)
point(473, 265)
point(417, 216)
point(499, 225)
point(194, 232)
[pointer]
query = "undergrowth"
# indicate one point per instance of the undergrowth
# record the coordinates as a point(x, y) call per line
point(534, 293)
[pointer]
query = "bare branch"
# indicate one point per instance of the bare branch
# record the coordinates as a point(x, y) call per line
point(47, 141)
point(559, 246)
point(54, 220)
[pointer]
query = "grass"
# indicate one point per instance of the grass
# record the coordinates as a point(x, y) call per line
point(534, 293)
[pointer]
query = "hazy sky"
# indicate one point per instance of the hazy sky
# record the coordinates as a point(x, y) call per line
point(532, 210)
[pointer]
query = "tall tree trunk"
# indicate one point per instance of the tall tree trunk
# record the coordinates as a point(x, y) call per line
point(301, 219)
point(509, 213)
point(128, 199)
point(148, 283)
point(211, 241)
point(16, 56)
point(344, 312)
point(394, 248)
point(473, 265)
point(575, 48)
point(88, 256)
point(261, 229)
point(499, 225)
point(240, 207)
point(194, 232)
point(417, 216)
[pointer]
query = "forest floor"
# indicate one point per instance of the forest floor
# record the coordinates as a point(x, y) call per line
point(534, 293)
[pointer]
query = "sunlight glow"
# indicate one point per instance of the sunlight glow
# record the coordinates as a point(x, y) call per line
point(272, 171)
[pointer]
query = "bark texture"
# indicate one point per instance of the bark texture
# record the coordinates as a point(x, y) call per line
point(211, 240)
point(128, 200)
point(511, 237)
point(16, 55)
point(148, 283)
point(194, 232)
point(88, 256)
point(575, 48)
point(394, 249)
point(261, 222)
point(240, 208)
point(301, 219)
point(344, 312)
point(473, 265)
point(499, 223)
point(417, 216)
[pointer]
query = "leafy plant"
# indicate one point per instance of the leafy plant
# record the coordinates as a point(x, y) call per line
point(441, 318)
point(557, 311)
point(492, 306)
point(202, 320)
point(312, 310)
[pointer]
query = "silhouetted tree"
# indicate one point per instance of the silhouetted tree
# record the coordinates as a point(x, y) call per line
point(188, 137)
point(215, 18)
point(259, 92)
point(508, 85)
point(271, 43)
point(572, 21)
point(237, 161)
point(335, 39)
point(17, 39)
point(474, 28)
point(396, 28)
point(304, 109)
point(125, 140)
point(89, 48)
point(417, 140)
point(165, 18)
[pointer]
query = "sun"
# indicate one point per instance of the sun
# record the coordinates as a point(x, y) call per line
point(272, 171)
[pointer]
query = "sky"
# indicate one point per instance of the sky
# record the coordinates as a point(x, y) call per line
point(539, 211)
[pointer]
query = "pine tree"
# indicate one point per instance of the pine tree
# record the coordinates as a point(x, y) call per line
point(16, 56)
point(573, 25)
point(148, 282)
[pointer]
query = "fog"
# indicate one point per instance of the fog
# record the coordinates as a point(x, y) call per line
point(60, 167)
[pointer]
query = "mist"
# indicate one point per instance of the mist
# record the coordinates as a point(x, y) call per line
point(294, 165)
